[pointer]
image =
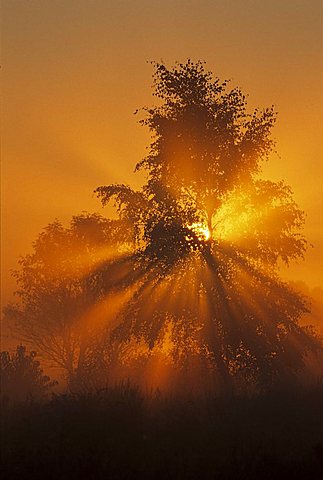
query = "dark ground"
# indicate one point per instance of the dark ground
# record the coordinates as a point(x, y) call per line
point(121, 434)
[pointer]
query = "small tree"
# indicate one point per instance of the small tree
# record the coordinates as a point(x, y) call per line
point(55, 293)
point(22, 377)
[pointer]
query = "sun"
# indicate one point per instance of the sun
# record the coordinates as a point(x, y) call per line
point(201, 231)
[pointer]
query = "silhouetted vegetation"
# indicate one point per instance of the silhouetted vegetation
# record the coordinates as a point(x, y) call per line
point(180, 292)
point(22, 377)
point(55, 291)
point(119, 433)
point(209, 237)
point(186, 280)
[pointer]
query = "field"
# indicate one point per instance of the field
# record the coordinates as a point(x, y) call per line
point(121, 433)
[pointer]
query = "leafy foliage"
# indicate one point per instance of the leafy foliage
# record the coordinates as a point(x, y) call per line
point(203, 174)
point(22, 377)
point(55, 292)
point(188, 274)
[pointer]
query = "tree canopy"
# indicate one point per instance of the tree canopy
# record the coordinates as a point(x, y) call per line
point(55, 293)
point(188, 272)
point(210, 233)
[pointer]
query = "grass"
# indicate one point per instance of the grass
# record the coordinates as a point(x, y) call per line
point(120, 433)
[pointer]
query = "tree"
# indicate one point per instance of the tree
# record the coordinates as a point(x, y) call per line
point(22, 377)
point(56, 299)
point(209, 235)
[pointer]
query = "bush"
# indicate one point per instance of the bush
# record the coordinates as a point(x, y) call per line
point(22, 377)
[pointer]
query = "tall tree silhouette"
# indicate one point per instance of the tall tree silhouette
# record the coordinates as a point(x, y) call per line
point(209, 235)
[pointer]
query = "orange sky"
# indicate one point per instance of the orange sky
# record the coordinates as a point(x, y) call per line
point(74, 71)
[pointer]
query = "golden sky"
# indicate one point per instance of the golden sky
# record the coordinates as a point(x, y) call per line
point(74, 71)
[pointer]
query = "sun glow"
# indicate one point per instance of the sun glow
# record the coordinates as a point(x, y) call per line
point(201, 231)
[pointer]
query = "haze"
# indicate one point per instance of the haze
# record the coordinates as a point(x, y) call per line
point(75, 71)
